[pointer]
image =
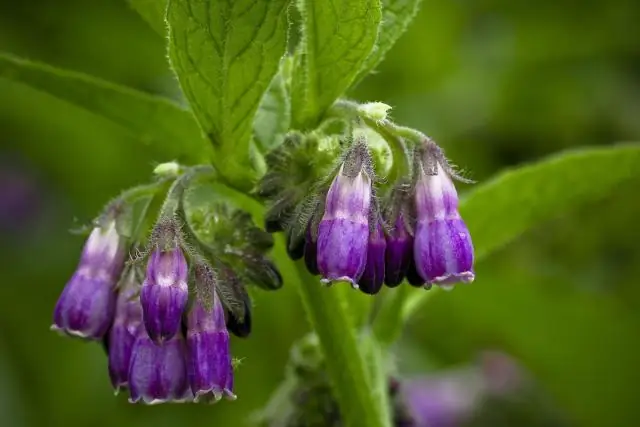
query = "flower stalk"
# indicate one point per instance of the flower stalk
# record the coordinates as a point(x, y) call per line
point(348, 366)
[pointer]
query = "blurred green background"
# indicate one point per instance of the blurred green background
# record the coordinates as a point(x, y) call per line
point(498, 83)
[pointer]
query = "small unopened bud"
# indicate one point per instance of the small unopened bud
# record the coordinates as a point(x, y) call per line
point(373, 275)
point(86, 306)
point(311, 252)
point(374, 110)
point(168, 169)
point(399, 252)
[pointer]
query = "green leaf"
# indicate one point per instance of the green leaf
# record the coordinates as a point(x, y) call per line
point(337, 38)
point(225, 54)
point(171, 132)
point(396, 17)
point(152, 11)
point(500, 210)
point(274, 113)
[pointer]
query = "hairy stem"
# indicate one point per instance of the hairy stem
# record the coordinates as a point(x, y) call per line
point(347, 362)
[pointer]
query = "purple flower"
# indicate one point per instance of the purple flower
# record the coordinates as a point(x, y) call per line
point(343, 233)
point(373, 276)
point(164, 293)
point(158, 372)
point(448, 401)
point(443, 251)
point(208, 355)
point(413, 277)
point(127, 325)
point(86, 306)
point(399, 253)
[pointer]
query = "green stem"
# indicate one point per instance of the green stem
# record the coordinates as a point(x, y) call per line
point(399, 152)
point(348, 365)
point(234, 170)
point(394, 135)
point(388, 323)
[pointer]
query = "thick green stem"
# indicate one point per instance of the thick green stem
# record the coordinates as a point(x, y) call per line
point(347, 363)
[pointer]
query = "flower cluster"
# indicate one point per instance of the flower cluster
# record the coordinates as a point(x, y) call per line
point(413, 230)
point(161, 345)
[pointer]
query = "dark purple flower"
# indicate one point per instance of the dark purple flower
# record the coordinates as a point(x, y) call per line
point(343, 233)
point(398, 254)
point(209, 358)
point(127, 325)
point(413, 277)
point(373, 276)
point(87, 303)
point(443, 251)
point(158, 372)
point(164, 293)
point(311, 253)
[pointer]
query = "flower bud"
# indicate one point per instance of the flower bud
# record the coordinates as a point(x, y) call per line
point(164, 293)
point(343, 232)
point(374, 110)
point(295, 245)
point(241, 329)
point(398, 254)
point(158, 372)
point(87, 303)
point(208, 353)
point(443, 250)
point(311, 253)
point(414, 278)
point(127, 325)
point(373, 275)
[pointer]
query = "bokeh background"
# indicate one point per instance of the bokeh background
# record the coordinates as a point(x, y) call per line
point(498, 83)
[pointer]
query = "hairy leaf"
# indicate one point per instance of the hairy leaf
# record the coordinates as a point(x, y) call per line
point(337, 37)
point(225, 54)
point(157, 122)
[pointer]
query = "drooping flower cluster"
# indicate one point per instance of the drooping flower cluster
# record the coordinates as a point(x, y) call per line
point(161, 346)
point(413, 231)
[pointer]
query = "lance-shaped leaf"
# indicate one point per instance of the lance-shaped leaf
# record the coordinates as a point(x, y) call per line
point(396, 17)
point(169, 131)
point(225, 54)
point(337, 37)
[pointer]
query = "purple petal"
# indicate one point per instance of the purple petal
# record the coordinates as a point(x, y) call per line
point(158, 373)
point(373, 275)
point(342, 249)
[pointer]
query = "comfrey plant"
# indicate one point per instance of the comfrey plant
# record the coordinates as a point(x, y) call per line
point(269, 138)
point(361, 202)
